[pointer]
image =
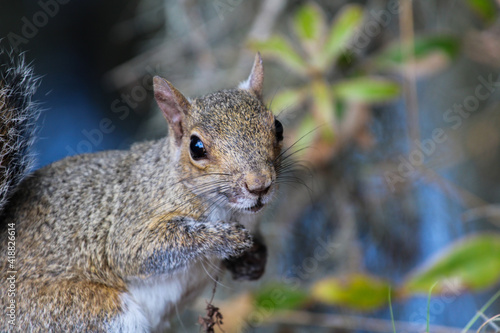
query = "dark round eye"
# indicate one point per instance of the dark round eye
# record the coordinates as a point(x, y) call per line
point(279, 130)
point(197, 148)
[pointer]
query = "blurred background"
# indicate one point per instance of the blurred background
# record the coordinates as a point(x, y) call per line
point(390, 218)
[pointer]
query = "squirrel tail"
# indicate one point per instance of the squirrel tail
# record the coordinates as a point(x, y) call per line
point(18, 115)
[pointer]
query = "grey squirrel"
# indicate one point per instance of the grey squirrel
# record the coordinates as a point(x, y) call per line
point(117, 241)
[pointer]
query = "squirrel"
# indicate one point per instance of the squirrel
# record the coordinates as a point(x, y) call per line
point(118, 241)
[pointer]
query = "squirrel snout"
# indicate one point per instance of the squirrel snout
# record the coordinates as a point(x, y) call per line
point(258, 184)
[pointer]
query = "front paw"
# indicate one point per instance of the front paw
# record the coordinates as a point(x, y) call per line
point(231, 240)
point(250, 265)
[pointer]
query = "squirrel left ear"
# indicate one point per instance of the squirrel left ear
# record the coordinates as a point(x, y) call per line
point(256, 79)
point(173, 104)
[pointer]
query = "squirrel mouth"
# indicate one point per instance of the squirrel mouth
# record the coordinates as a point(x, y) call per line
point(255, 208)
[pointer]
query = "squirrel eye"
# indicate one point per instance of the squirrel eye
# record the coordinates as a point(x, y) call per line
point(279, 130)
point(197, 148)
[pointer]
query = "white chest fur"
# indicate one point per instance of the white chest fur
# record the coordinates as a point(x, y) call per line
point(153, 301)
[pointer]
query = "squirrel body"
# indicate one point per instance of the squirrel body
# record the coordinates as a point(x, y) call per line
point(118, 241)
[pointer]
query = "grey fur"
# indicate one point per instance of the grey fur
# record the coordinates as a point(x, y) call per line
point(17, 121)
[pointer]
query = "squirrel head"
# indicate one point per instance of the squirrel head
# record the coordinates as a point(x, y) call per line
point(228, 143)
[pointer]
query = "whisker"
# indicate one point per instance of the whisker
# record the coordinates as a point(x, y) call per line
point(211, 277)
point(203, 190)
point(292, 168)
point(216, 202)
point(286, 157)
point(200, 187)
point(296, 180)
point(216, 268)
point(209, 193)
point(179, 318)
point(296, 141)
point(204, 175)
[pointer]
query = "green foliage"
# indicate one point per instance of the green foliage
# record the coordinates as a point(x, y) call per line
point(367, 89)
point(321, 49)
point(356, 291)
point(280, 297)
point(288, 98)
point(321, 45)
point(473, 263)
point(486, 9)
point(395, 56)
point(279, 48)
point(342, 31)
point(306, 129)
point(308, 22)
point(324, 108)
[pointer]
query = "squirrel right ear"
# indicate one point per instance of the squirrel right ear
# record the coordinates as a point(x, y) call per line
point(173, 105)
point(255, 81)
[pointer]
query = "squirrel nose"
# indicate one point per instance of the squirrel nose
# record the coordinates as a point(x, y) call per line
point(258, 184)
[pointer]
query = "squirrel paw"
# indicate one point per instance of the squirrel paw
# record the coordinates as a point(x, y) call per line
point(231, 240)
point(250, 265)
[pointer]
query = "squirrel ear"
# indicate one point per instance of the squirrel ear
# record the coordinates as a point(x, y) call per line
point(173, 105)
point(256, 79)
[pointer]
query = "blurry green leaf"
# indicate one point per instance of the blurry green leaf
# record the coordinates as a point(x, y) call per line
point(484, 8)
point(279, 48)
point(324, 108)
point(424, 46)
point(308, 22)
point(366, 89)
point(343, 29)
point(471, 263)
point(357, 291)
point(287, 100)
point(306, 131)
point(280, 297)
point(340, 108)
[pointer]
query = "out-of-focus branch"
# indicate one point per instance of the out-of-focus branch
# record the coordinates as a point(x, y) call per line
point(266, 18)
point(466, 198)
point(410, 82)
point(191, 34)
point(484, 46)
point(263, 23)
point(198, 37)
point(489, 212)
